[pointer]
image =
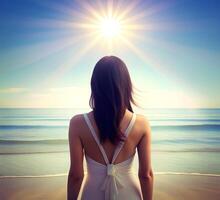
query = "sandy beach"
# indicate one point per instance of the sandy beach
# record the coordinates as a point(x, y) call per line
point(166, 187)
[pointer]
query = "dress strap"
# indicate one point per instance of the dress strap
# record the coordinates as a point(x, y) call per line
point(127, 131)
point(96, 138)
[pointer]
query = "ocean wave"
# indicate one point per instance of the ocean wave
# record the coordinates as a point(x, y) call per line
point(188, 127)
point(210, 140)
point(65, 150)
point(196, 150)
point(156, 173)
point(176, 141)
point(159, 119)
point(43, 141)
point(35, 176)
point(158, 126)
point(188, 119)
point(31, 126)
point(187, 173)
point(33, 152)
point(33, 118)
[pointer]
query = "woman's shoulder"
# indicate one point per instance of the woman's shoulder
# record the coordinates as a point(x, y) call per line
point(142, 119)
point(77, 122)
point(79, 117)
point(75, 119)
point(142, 123)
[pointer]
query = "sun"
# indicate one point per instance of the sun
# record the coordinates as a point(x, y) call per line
point(110, 24)
point(110, 27)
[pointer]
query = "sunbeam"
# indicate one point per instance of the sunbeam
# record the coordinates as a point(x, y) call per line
point(60, 71)
point(109, 20)
point(106, 26)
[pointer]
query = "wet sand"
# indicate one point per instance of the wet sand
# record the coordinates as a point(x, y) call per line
point(166, 187)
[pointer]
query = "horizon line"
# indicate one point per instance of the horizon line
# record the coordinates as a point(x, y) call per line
point(90, 108)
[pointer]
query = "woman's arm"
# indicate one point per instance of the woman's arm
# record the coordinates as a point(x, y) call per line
point(76, 172)
point(145, 172)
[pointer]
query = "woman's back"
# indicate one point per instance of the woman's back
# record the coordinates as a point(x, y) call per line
point(92, 150)
point(100, 183)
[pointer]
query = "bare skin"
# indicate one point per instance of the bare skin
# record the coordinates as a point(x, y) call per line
point(80, 139)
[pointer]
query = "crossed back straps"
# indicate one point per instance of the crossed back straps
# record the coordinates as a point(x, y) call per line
point(119, 146)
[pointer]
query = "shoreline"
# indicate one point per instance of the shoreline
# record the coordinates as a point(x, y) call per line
point(166, 187)
point(65, 174)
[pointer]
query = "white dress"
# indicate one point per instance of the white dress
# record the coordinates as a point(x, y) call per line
point(110, 181)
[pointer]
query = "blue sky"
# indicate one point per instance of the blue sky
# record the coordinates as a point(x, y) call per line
point(173, 55)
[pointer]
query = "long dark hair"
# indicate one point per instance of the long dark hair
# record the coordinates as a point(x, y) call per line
point(111, 95)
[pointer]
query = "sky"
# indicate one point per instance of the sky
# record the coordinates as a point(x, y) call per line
point(49, 48)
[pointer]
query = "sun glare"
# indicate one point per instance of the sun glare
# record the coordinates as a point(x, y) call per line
point(110, 27)
point(108, 22)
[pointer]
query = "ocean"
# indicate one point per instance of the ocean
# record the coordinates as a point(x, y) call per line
point(34, 142)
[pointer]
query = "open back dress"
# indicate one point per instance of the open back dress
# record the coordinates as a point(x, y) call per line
point(111, 181)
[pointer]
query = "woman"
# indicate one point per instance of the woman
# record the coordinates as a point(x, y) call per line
point(108, 137)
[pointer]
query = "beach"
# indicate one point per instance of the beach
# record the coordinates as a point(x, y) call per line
point(166, 187)
point(159, 59)
point(34, 153)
